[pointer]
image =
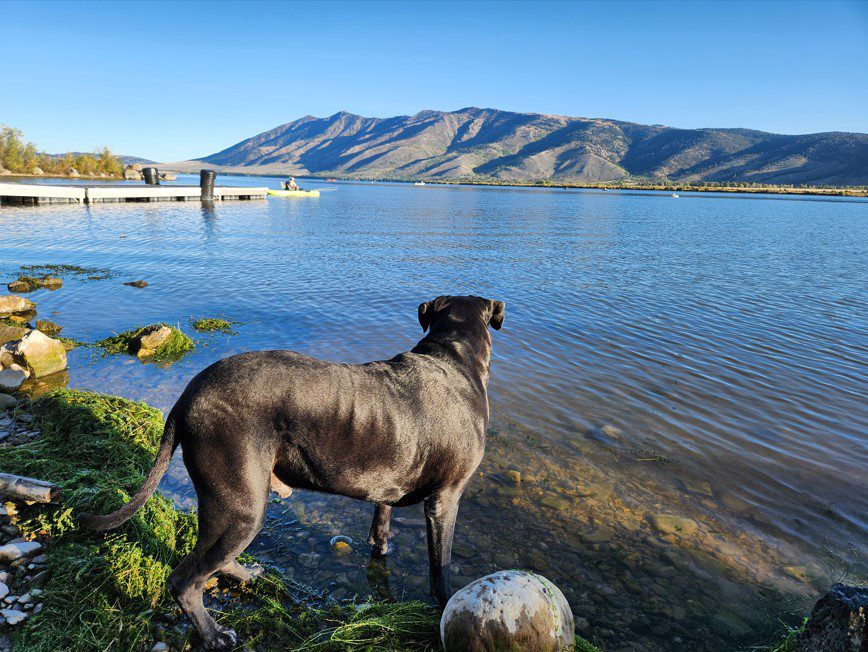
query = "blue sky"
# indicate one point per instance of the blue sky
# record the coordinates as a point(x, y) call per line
point(170, 81)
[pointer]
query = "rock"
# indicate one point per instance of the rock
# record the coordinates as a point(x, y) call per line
point(132, 174)
point(13, 616)
point(672, 524)
point(13, 551)
point(72, 172)
point(4, 590)
point(150, 339)
point(557, 503)
point(309, 559)
point(20, 285)
point(508, 610)
point(137, 284)
point(7, 402)
point(39, 354)
point(168, 176)
point(39, 580)
point(25, 599)
point(12, 378)
point(10, 333)
point(160, 647)
point(37, 170)
point(48, 327)
point(514, 476)
point(12, 304)
point(51, 282)
point(839, 622)
point(341, 545)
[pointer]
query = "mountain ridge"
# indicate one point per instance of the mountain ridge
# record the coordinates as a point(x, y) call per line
point(490, 144)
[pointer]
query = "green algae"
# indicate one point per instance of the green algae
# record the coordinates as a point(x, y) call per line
point(175, 348)
point(213, 325)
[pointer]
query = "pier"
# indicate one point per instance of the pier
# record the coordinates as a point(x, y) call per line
point(32, 194)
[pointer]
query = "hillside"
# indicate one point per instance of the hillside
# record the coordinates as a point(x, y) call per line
point(500, 145)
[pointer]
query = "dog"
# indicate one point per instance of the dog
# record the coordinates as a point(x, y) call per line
point(393, 432)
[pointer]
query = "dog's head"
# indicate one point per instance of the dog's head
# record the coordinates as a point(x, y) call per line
point(461, 309)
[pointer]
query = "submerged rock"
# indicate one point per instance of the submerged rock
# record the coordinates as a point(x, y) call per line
point(39, 354)
point(12, 304)
point(508, 610)
point(7, 402)
point(672, 524)
point(838, 622)
point(137, 284)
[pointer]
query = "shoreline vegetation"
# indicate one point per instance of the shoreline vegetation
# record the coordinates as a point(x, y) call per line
point(23, 159)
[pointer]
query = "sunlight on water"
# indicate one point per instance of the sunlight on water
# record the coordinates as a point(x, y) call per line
point(678, 433)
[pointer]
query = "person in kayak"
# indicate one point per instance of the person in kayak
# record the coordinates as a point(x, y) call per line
point(291, 184)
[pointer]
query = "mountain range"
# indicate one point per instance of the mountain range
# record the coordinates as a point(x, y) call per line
point(488, 144)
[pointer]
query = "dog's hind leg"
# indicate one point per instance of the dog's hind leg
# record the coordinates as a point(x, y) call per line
point(441, 510)
point(227, 525)
point(379, 537)
point(234, 570)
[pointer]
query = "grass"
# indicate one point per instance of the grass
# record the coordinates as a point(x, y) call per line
point(213, 325)
point(175, 348)
point(107, 591)
point(788, 643)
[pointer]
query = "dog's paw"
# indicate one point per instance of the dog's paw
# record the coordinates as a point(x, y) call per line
point(379, 548)
point(224, 639)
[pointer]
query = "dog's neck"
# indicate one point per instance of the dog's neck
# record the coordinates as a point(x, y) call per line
point(468, 344)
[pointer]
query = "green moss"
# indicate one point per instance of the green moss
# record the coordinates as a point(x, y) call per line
point(213, 324)
point(175, 348)
point(106, 590)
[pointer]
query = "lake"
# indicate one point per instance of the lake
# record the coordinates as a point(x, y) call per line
point(680, 382)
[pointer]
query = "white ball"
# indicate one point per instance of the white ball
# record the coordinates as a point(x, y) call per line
point(508, 610)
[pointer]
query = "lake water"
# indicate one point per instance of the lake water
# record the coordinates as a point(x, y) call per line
point(704, 358)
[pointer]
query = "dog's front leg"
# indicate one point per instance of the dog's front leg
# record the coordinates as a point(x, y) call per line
point(441, 510)
point(379, 537)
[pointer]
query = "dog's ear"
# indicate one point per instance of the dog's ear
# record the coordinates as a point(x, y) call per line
point(498, 310)
point(426, 312)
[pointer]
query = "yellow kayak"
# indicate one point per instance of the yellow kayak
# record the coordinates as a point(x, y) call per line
point(294, 193)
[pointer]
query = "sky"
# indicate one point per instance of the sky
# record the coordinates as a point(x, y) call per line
point(172, 81)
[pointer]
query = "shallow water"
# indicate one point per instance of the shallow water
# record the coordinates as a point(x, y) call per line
point(704, 357)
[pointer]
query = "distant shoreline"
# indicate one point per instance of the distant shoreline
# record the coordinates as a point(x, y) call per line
point(671, 187)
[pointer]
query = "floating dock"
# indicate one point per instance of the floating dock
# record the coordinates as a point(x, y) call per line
point(32, 194)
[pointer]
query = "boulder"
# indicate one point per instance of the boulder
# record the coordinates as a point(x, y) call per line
point(72, 172)
point(137, 167)
point(40, 354)
point(11, 304)
point(150, 339)
point(38, 170)
point(20, 285)
point(12, 378)
point(7, 402)
point(48, 327)
point(132, 174)
point(137, 284)
point(508, 610)
point(839, 622)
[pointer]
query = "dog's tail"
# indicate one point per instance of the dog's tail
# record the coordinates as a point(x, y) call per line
point(167, 447)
